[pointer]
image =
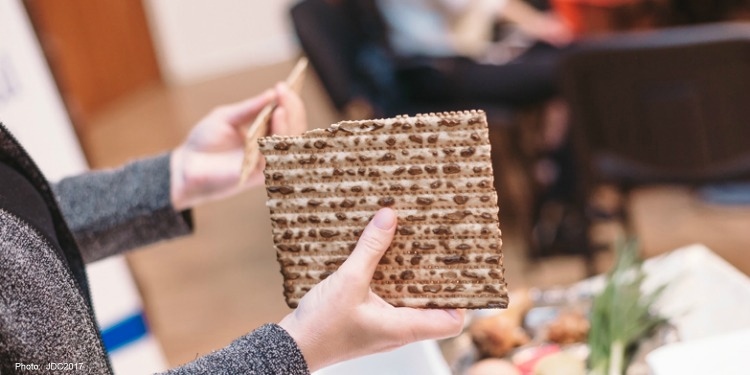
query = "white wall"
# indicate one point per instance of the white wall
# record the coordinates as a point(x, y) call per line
point(30, 105)
point(199, 39)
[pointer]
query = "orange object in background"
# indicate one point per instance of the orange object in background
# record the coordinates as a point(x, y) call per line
point(590, 17)
point(570, 13)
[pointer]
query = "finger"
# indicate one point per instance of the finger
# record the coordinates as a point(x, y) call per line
point(372, 244)
point(429, 323)
point(242, 112)
point(294, 120)
point(280, 123)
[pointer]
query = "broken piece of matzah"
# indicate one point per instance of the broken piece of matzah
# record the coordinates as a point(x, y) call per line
point(434, 170)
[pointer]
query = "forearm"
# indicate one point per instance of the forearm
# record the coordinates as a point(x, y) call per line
point(455, 7)
point(112, 211)
point(267, 350)
point(543, 26)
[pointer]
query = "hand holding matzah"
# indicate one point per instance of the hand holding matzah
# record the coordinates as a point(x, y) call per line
point(341, 318)
point(434, 169)
point(207, 165)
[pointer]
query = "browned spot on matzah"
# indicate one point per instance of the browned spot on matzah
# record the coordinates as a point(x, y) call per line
point(434, 170)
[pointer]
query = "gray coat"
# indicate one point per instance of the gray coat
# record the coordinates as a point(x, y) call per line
point(45, 308)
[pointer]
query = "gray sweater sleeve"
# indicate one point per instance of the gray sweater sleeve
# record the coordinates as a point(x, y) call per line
point(111, 211)
point(269, 350)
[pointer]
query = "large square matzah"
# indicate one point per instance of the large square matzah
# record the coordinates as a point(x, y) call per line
point(434, 170)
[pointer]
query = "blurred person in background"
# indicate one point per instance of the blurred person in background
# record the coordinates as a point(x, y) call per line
point(48, 233)
point(406, 55)
point(446, 52)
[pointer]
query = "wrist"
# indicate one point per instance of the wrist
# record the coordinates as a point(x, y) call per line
point(290, 325)
point(313, 353)
point(177, 183)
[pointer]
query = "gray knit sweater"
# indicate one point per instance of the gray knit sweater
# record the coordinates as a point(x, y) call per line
point(45, 311)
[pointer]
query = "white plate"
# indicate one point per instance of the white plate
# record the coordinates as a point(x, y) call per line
point(725, 354)
point(420, 358)
point(708, 301)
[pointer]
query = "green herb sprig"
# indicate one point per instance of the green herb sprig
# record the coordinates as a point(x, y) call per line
point(621, 314)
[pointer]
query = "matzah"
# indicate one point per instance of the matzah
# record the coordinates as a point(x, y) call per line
point(262, 122)
point(433, 169)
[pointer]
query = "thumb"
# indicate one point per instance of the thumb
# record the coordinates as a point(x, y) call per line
point(372, 244)
point(242, 112)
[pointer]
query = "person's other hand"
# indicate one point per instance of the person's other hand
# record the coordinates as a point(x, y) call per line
point(548, 28)
point(207, 165)
point(341, 318)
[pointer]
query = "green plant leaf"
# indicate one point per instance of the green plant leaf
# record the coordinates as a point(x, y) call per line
point(621, 314)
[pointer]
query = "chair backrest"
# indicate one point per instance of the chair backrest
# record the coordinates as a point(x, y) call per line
point(671, 105)
point(333, 34)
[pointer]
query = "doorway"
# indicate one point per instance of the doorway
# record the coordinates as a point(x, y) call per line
point(98, 51)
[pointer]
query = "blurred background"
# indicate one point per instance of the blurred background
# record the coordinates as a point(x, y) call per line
point(109, 81)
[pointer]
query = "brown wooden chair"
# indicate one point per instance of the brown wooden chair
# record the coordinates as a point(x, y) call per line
point(666, 106)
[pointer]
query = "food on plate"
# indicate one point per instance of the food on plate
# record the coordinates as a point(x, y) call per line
point(527, 358)
point(434, 170)
point(569, 327)
point(498, 334)
point(560, 364)
point(493, 366)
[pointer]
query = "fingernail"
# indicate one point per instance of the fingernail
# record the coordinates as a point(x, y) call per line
point(453, 313)
point(385, 219)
